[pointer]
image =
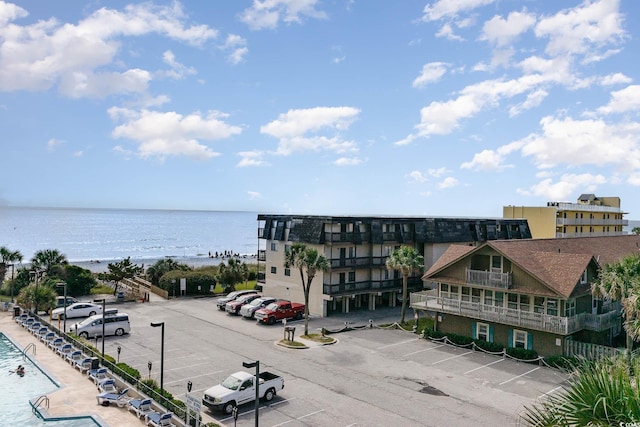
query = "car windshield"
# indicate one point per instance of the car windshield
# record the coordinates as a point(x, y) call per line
point(273, 306)
point(256, 302)
point(232, 383)
point(86, 321)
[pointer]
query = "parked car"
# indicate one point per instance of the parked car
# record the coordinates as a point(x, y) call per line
point(233, 307)
point(78, 309)
point(60, 301)
point(248, 310)
point(114, 324)
point(239, 388)
point(222, 301)
point(280, 310)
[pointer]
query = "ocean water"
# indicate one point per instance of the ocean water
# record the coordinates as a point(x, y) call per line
point(106, 235)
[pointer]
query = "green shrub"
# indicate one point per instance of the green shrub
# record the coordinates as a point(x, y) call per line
point(127, 370)
point(493, 347)
point(521, 353)
point(459, 339)
point(430, 333)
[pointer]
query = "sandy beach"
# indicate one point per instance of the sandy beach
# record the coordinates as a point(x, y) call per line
point(101, 266)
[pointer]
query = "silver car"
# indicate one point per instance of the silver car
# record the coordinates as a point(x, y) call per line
point(248, 310)
point(78, 309)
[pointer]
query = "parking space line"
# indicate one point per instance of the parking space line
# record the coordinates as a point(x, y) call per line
point(549, 392)
point(452, 357)
point(521, 375)
point(299, 418)
point(424, 349)
point(483, 366)
point(397, 343)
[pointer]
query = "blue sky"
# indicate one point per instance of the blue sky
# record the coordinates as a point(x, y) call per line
point(366, 107)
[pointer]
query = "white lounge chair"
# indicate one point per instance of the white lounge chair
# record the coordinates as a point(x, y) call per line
point(35, 327)
point(156, 420)
point(56, 343)
point(120, 399)
point(83, 365)
point(65, 350)
point(97, 375)
point(48, 337)
point(74, 356)
point(107, 386)
point(41, 332)
point(141, 407)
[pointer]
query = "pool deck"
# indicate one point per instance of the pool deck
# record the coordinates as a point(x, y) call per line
point(77, 394)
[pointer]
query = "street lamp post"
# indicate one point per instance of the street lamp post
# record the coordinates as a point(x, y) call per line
point(155, 325)
point(149, 365)
point(64, 327)
point(104, 303)
point(255, 364)
point(119, 350)
point(12, 281)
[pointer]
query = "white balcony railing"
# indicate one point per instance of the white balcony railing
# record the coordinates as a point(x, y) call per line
point(525, 319)
point(488, 278)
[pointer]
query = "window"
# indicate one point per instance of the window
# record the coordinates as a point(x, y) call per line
point(352, 276)
point(499, 301)
point(274, 270)
point(512, 301)
point(454, 292)
point(287, 272)
point(570, 308)
point(552, 306)
point(520, 339)
point(538, 305)
point(525, 302)
point(274, 246)
point(482, 332)
point(475, 295)
point(496, 263)
point(488, 297)
point(584, 277)
point(342, 278)
point(466, 294)
point(287, 248)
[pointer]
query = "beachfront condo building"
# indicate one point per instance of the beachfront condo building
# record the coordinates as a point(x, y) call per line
point(533, 294)
point(590, 216)
point(357, 249)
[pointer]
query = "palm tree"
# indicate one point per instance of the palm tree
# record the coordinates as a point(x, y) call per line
point(621, 281)
point(163, 266)
point(635, 230)
point(600, 393)
point(7, 257)
point(37, 297)
point(407, 260)
point(48, 261)
point(309, 261)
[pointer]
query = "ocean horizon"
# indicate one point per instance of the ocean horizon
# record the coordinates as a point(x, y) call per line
point(93, 237)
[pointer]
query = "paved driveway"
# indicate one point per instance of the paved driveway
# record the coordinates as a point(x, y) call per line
point(371, 377)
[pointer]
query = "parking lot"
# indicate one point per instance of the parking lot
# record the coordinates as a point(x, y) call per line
point(371, 377)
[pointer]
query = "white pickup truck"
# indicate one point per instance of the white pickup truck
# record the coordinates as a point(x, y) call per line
point(238, 388)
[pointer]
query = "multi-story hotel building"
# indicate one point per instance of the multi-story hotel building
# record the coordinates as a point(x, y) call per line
point(357, 249)
point(590, 216)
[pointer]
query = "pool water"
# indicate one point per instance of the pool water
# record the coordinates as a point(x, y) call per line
point(16, 391)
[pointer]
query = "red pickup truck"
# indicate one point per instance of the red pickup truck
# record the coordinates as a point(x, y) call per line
point(280, 310)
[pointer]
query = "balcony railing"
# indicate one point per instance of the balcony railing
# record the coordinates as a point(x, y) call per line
point(357, 262)
point(489, 278)
point(262, 255)
point(591, 234)
point(261, 277)
point(369, 286)
point(560, 222)
point(346, 237)
point(524, 319)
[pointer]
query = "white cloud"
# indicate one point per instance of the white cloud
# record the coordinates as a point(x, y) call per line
point(53, 143)
point(627, 99)
point(163, 134)
point(431, 73)
point(491, 160)
point(614, 79)
point(582, 30)
point(254, 195)
point(178, 70)
point(348, 161)
point(298, 130)
point(567, 186)
point(237, 48)
point(417, 176)
point(251, 158)
point(10, 12)
point(450, 8)
point(44, 54)
point(534, 99)
point(448, 182)
point(447, 32)
point(583, 142)
point(501, 32)
point(268, 13)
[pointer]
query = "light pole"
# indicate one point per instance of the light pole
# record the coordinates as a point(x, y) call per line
point(255, 364)
point(12, 281)
point(119, 350)
point(64, 327)
point(155, 325)
point(104, 302)
point(149, 365)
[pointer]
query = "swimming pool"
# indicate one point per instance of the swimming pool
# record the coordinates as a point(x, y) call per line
point(16, 391)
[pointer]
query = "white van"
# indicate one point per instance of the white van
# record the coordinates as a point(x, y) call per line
point(114, 324)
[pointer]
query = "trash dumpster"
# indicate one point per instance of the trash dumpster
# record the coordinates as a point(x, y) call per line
point(95, 363)
point(16, 311)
